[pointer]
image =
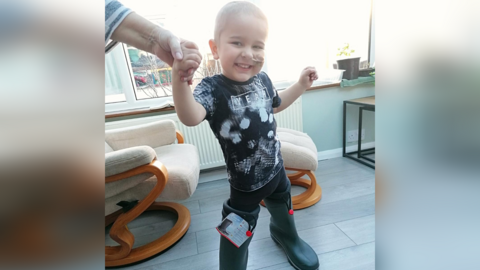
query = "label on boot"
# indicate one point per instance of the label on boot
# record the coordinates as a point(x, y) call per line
point(234, 228)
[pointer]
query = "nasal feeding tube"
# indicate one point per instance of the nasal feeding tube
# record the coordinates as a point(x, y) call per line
point(257, 58)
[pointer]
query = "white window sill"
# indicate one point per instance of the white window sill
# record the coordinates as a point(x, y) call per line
point(144, 110)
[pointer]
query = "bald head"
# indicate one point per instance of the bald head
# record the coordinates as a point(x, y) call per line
point(233, 10)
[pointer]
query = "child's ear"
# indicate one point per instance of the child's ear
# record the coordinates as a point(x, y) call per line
point(213, 47)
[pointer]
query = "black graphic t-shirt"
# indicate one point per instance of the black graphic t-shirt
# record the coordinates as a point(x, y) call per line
point(240, 115)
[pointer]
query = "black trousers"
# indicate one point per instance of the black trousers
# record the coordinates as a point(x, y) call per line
point(248, 201)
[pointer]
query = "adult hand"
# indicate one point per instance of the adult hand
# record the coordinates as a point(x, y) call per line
point(169, 47)
point(144, 35)
point(191, 59)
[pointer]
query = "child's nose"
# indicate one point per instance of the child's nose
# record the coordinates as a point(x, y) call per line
point(247, 53)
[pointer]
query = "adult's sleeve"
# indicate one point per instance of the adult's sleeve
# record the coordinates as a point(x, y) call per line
point(115, 12)
point(204, 94)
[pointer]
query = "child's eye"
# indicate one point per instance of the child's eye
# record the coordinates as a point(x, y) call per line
point(258, 47)
point(237, 43)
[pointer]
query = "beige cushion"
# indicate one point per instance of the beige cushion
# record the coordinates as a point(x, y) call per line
point(183, 166)
point(126, 159)
point(298, 150)
point(123, 160)
point(108, 149)
point(117, 187)
point(152, 134)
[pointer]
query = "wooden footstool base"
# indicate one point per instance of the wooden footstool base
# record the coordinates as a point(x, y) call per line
point(308, 198)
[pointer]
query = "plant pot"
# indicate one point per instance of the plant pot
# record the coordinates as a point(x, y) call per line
point(351, 66)
point(365, 72)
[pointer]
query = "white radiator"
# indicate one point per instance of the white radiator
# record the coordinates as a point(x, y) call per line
point(202, 136)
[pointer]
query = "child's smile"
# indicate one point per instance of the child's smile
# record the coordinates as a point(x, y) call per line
point(243, 67)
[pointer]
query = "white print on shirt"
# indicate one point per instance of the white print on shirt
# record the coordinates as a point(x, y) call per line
point(266, 156)
point(245, 123)
point(255, 99)
point(234, 136)
point(263, 114)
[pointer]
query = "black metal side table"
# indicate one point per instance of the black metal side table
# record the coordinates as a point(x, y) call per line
point(366, 104)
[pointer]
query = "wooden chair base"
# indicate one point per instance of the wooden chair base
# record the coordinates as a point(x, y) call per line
point(152, 248)
point(313, 199)
point(308, 198)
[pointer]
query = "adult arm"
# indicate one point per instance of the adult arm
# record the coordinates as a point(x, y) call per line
point(130, 28)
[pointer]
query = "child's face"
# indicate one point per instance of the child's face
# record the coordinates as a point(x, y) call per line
point(241, 47)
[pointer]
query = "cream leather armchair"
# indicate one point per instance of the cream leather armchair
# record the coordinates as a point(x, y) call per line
point(144, 164)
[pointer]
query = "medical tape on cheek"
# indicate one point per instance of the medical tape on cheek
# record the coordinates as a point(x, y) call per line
point(258, 59)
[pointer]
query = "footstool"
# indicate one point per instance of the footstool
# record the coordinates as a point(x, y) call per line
point(300, 157)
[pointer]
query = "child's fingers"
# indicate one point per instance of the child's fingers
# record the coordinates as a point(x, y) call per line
point(188, 64)
point(187, 73)
point(192, 52)
point(187, 79)
point(187, 67)
point(193, 56)
point(196, 52)
point(191, 60)
point(309, 70)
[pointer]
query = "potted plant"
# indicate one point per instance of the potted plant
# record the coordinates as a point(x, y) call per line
point(349, 64)
point(365, 69)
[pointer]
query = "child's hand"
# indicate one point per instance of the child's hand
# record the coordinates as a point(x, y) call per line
point(308, 75)
point(190, 62)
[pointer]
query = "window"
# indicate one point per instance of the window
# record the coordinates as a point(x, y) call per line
point(301, 33)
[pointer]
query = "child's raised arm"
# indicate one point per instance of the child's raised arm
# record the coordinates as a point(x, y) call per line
point(289, 95)
point(190, 112)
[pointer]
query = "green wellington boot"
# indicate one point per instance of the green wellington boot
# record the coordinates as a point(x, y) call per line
point(282, 229)
point(231, 257)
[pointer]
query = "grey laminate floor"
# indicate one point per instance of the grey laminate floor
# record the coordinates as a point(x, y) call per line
point(340, 228)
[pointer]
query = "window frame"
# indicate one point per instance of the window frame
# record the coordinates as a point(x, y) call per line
point(129, 88)
point(147, 105)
